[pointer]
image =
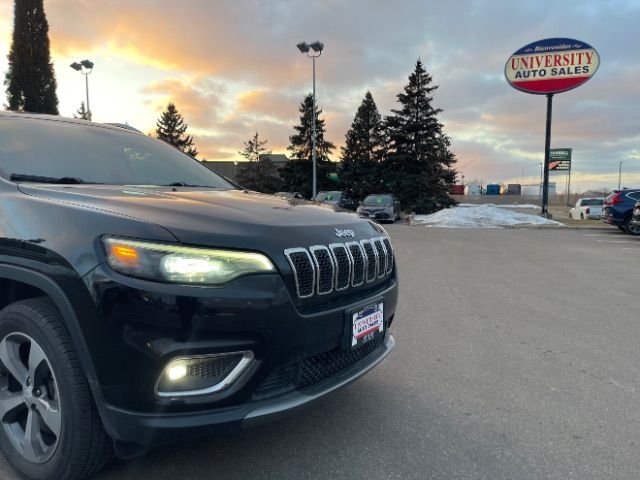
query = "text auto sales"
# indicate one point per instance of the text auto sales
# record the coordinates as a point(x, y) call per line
point(537, 66)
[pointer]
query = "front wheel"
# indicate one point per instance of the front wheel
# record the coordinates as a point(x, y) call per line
point(49, 425)
point(571, 216)
point(582, 216)
point(630, 227)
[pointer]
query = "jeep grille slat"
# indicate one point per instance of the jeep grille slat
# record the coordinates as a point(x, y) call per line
point(389, 250)
point(303, 270)
point(372, 260)
point(320, 269)
point(382, 256)
point(342, 264)
point(325, 271)
point(359, 263)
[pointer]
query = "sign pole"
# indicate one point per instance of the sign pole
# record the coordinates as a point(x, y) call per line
point(569, 190)
point(546, 67)
point(547, 148)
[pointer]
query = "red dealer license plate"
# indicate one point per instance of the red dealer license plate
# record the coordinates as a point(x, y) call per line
point(366, 323)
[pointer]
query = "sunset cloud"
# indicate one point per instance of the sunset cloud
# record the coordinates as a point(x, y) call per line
point(281, 107)
point(202, 100)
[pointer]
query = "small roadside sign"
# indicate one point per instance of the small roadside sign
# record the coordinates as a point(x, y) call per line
point(560, 159)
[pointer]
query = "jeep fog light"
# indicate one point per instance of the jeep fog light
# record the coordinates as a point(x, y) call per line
point(176, 372)
point(201, 375)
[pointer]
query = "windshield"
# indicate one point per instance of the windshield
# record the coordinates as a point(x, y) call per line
point(378, 200)
point(94, 154)
point(328, 196)
point(592, 201)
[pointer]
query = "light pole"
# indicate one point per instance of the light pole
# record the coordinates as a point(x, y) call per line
point(317, 48)
point(620, 173)
point(541, 178)
point(85, 67)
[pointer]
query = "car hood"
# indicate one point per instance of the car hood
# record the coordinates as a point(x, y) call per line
point(212, 217)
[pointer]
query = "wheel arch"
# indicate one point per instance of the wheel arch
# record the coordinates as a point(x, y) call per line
point(36, 281)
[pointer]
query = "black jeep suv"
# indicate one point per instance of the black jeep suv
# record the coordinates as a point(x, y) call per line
point(145, 299)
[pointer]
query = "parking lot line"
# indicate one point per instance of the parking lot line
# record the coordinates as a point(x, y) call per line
point(618, 241)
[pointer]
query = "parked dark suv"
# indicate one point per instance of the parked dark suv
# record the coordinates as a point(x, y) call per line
point(635, 220)
point(618, 210)
point(145, 299)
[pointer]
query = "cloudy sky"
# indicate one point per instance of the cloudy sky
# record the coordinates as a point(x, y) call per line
point(232, 68)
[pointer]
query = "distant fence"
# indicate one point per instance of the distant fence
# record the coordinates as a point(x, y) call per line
point(554, 200)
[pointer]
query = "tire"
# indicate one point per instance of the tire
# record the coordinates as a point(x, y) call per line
point(582, 216)
point(570, 216)
point(75, 446)
point(629, 228)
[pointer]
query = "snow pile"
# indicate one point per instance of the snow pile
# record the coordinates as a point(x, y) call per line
point(524, 205)
point(479, 216)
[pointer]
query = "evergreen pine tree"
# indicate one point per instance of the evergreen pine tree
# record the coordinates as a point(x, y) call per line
point(254, 148)
point(361, 172)
point(258, 172)
point(30, 80)
point(82, 112)
point(171, 128)
point(297, 174)
point(419, 166)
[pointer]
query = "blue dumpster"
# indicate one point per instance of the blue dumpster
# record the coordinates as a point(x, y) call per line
point(493, 189)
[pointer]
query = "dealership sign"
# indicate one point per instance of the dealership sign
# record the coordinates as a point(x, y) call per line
point(551, 66)
point(560, 159)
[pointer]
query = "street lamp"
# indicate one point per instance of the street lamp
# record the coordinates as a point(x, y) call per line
point(85, 67)
point(620, 173)
point(317, 48)
point(541, 179)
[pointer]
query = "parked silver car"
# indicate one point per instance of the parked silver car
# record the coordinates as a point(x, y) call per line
point(381, 207)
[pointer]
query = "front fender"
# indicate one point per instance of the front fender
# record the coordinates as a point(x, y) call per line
point(68, 292)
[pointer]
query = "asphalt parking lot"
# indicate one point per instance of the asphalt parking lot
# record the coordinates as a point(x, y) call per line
point(517, 358)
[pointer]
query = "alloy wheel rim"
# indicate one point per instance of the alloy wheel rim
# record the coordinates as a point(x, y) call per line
point(30, 412)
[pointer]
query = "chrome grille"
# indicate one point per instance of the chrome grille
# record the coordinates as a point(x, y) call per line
point(389, 249)
point(303, 270)
point(372, 260)
point(321, 270)
point(359, 263)
point(382, 256)
point(343, 265)
point(324, 268)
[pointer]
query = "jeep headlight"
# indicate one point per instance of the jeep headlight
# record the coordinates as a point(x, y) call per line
point(178, 264)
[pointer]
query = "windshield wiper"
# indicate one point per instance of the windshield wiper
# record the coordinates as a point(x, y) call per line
point(22, 177)
point(184, 184)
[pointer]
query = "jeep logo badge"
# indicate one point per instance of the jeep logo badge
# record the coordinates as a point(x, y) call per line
point(345, 233)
